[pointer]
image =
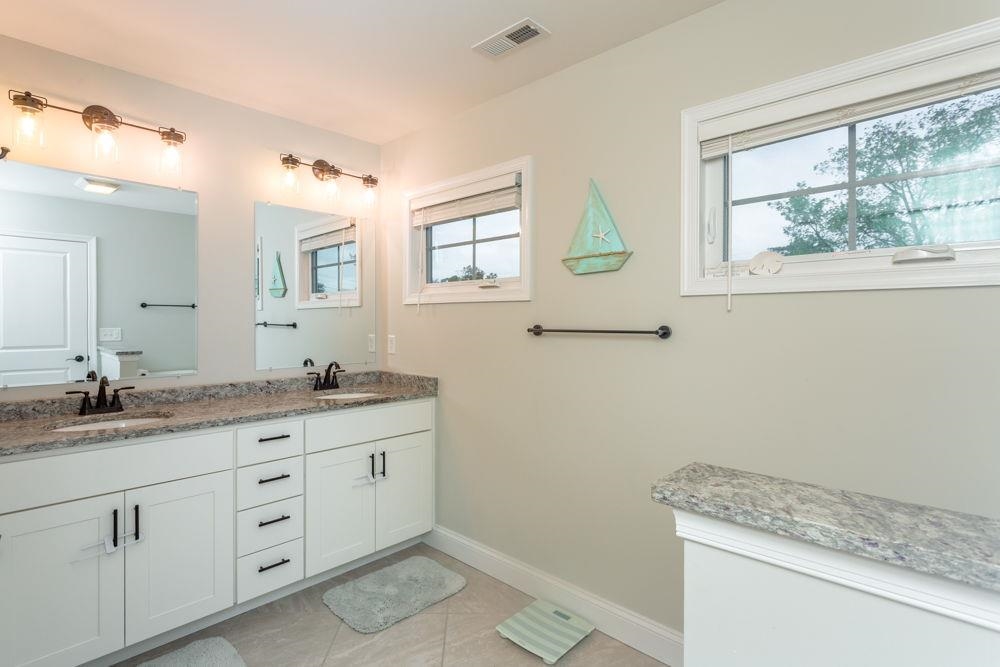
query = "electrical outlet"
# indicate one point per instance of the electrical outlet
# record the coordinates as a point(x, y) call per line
point(110, 335)
point(392, 344)
point(371, 343)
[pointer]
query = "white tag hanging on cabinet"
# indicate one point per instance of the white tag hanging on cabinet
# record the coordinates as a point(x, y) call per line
point(766, 263)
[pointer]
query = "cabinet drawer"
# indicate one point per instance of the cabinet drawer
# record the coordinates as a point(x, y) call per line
point(268, 442)
point(268, 525)
point(268, 570)
point(267, 482)
point(351, 428)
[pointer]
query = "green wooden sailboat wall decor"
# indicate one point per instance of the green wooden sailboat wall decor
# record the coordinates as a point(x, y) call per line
point(597, 245)
point(278, 289)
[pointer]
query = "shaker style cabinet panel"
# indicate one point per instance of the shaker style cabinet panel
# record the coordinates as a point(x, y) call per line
point(403, 494)
point(181, 568)
point(61, 599)
point(340, 507)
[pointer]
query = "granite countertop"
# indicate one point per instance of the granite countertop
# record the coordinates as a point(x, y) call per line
point(26, 427)
point(957, 546)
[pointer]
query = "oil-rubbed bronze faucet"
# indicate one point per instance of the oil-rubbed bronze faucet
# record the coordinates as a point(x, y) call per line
point(102, 404)
point(329, 380)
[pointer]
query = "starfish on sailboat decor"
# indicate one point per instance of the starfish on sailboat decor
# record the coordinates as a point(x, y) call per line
point(597, 245)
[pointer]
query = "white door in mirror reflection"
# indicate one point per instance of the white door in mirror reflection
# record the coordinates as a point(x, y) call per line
point(43, 310)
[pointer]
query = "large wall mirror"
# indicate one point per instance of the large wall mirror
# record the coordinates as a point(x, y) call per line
point(313, 287)
point(79, 256)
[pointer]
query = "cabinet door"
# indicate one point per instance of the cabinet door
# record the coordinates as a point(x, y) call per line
point(60, 591)
point(181, 569)
point(403, 492)
point(340, 507)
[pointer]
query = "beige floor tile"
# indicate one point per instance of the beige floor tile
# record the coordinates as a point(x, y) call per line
point(300, 631)
point(418, 640)
point(471, 640)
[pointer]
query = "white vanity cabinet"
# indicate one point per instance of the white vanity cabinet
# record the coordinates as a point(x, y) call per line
point(106, 546)
point(181, 567)
point(68, 592)
point(372, 487)
point(61, 600)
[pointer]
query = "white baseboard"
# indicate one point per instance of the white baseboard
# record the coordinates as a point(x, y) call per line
point(641, 633)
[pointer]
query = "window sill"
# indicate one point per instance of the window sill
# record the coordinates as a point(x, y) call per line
point(469, 293)
point(955, 274)
point(352, 300)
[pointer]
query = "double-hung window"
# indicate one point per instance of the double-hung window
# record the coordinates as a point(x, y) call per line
point(469, 238)
point(896, 190)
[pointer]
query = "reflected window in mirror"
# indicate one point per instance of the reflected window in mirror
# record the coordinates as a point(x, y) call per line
point(328, 263)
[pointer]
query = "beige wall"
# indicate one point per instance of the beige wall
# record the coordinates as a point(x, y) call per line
point(230, 160)
point(547, 447)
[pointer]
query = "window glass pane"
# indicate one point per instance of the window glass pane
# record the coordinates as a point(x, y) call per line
point(350, 251)
point(498, 224)
point(450, 264)
point(325, 280)
point(797, 225)
point(499, 259)
point(810, 161)
point(329, 255)
point(952, 208)
point(451, 232)
point(946, 134)
point(349, 277)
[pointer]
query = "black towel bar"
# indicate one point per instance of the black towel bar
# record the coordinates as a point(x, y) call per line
point(293, 325)
point(168, 305)
point(662, 331)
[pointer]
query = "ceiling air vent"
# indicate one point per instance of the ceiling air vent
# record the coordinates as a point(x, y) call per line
point(510, 38)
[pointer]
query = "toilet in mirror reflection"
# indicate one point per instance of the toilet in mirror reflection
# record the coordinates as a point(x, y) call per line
point(313, 287)
point(79, 254)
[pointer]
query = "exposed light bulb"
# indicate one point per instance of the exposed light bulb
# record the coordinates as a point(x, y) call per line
point(369, 197)
point(370, 183)
point(105, 143)
point(171, 159)
point(290, 179)
point(29, 128)
point(331, 189)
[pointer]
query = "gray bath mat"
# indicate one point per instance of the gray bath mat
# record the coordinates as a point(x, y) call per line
point(211, 652)
point(377, 600)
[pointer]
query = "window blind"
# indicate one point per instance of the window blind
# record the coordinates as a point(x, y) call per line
point(494, 195)
point(713, 146)
point(327, 239)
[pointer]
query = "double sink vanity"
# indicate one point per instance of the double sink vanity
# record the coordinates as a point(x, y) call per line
point(197, 500)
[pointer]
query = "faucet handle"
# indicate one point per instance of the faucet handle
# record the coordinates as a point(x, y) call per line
point(118, 389)
point(86, 394)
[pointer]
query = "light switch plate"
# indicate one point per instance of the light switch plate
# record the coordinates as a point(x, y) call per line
point(371, 343)
point(392, 344)
point(110, 335)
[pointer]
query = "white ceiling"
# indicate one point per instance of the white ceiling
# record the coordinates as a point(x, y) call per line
point(374, 70)
point(34, 179)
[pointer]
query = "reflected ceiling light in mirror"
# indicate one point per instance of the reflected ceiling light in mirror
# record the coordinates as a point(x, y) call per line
point(327, 174)
point(102, 123)
point(96, 186)
point(29, 123)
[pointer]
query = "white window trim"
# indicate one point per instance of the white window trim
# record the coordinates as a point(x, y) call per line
point(346, 299)
point(953, 55)
point(506, 289)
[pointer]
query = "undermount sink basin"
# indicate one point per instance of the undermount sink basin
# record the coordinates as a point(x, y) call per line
point(345, 397)
point(109, 424)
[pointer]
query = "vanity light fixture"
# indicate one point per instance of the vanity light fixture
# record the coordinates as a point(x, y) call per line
point(324, 172)
point(101, 121)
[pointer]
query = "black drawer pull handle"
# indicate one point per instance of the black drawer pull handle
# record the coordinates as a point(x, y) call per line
point(114, 528)
point(136, 523)
point(273, 479)
point(371, 457)
point(283, 517)
point(274, 437)
point(265, 568)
